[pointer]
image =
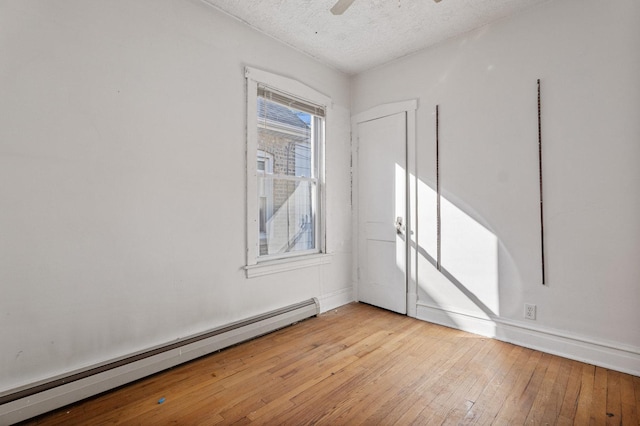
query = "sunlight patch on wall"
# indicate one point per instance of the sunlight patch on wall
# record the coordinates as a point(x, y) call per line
point(468, 282)
point(470, 254)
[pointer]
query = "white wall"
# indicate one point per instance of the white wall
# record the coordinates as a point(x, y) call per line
point(586, 53)
point(122, 204)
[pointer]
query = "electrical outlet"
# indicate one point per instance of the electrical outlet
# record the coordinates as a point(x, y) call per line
point(529, 311)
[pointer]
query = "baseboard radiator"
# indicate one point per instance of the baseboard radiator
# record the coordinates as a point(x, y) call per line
point(29, 401)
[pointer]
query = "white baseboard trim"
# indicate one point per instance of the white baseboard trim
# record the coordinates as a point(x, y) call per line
point(457, 320)
point(336, 299)
point(623, 358)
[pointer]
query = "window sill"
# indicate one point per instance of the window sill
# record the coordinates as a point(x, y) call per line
point(284, 265)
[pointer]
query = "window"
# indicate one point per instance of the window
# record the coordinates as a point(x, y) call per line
point(285, 168)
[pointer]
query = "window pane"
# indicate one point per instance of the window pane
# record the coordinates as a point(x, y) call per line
point(287, 221)
point(288, 192)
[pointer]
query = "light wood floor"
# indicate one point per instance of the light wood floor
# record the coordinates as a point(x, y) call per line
point(363, 365)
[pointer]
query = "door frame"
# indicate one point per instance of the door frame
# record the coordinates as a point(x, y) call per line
point(409, 108)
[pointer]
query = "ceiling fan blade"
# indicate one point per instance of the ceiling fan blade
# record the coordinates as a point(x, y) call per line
point(341, 6)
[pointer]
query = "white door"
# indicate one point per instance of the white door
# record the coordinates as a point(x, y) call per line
point(382, 212)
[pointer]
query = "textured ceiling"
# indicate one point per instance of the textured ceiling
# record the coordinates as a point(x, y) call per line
point(370, 32)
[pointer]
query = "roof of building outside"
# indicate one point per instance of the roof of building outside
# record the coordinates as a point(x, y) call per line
point(279, 113)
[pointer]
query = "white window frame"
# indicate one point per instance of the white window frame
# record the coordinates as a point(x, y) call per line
point(256, 266)
point(268, 170)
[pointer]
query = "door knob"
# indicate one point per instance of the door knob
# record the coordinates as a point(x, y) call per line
point(400, 228)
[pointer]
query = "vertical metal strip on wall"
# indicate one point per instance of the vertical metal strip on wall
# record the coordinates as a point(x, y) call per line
point(540, 178)
point(438, 231)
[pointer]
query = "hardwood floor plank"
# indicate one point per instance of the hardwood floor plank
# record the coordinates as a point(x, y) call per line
point(452, 395)
point(571, 393)
point(409, 392)
point(489, 402)
point(512, 403)
point(636, 386)
point(585, 396)
point(482, 371)
point(552, 409)
point(359, 365)
point(614, 403)
point(429, 389)
point(487, 368)
point(627, 400)
point(352, 389)
point(599, 402)
point(432, 358)
point(529, 394)
point(543, 398)
point(384, 386)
